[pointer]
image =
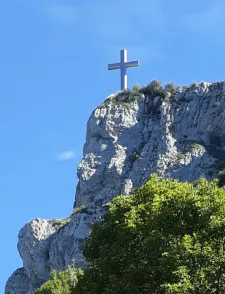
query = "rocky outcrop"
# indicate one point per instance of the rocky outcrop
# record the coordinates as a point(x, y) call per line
point(128, 139)
point(19, 283)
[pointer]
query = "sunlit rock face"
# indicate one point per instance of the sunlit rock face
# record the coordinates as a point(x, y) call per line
point(128, 138)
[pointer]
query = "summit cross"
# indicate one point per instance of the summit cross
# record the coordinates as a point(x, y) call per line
point(123, 65)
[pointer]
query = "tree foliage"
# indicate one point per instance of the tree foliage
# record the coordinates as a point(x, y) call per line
point(61, 283)
point(166, 237)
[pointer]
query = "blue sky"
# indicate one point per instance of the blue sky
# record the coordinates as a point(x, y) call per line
point(53, 73)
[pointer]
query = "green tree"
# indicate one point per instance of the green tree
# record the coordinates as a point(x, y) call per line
point(61, 283)
point(166, 237)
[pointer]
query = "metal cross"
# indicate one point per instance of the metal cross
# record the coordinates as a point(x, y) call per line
point(123, 65)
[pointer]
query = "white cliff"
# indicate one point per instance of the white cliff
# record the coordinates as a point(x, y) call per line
point(128, 139)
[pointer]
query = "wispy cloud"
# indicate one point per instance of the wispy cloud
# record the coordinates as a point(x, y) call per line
point(211, 21)
point(66, 155)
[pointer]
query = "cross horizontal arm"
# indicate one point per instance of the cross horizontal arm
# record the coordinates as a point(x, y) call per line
point(114, 66)
point(132, 63)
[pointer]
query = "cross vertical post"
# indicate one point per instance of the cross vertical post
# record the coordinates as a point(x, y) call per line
point(123, 69)
point(123, 65)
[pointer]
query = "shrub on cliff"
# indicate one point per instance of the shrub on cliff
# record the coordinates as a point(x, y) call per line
point(136, 91)
point(61, 283)
point(171, 88)
point(153, 89)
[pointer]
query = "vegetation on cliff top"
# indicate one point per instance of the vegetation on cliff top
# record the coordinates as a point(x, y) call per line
point(166, 237)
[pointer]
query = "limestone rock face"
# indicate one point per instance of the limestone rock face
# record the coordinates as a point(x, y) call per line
point(128, 139)
point(19, 283)
point(33, 246)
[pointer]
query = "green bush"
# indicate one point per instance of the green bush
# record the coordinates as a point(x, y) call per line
point(171, 88)
point(61, 283)
point(136, 88)
point(154, 89)
point(79, 209)
point(136, 91)
point(60, 222)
